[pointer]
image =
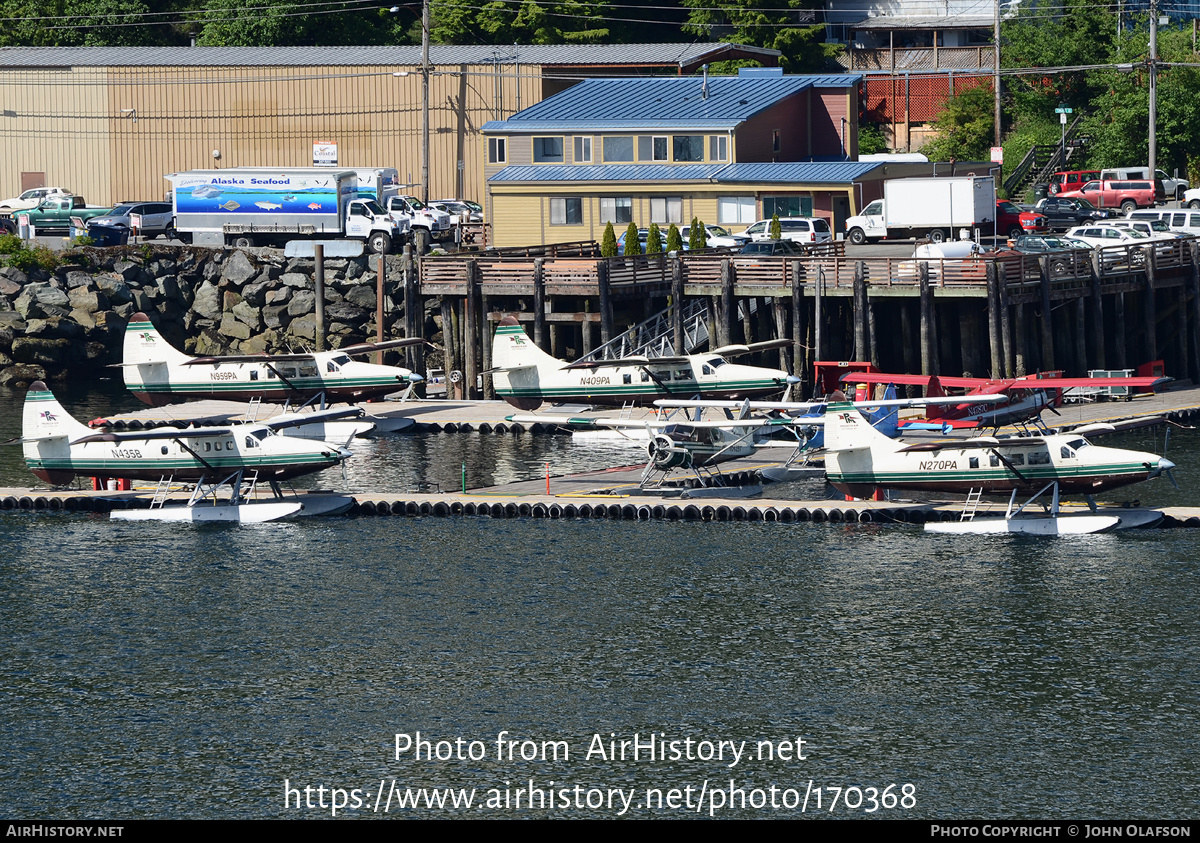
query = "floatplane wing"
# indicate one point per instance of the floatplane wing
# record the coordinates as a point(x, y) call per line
point(526, 376)
point(157, 373)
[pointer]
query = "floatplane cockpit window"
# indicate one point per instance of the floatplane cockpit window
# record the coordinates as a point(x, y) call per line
point(342, 359)
point(1078, 443)
point(717, 362)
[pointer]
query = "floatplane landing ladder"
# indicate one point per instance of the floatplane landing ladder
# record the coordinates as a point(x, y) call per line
point(162, 491)
point(252, 408)
point(971, 504)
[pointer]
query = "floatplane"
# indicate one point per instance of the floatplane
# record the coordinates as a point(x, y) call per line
point(234, 458)
point(525, 376)
point(158, 373)
point(700, 445)
point(1019, 399)
point(859, 460)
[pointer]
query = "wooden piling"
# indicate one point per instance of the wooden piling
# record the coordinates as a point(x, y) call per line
point(1080, 333)
point(540, 339)
point(677, 302)
point(1047, 316)
point(471, 333)
point(319, 291)
point(1149, 307)
point(606, 311)
point(799, 323)
point(1193, 296)
point(861, 348)
point(1008, 352)
point(1096, 305)
point(726, 311)
point(929, 361)
point(995, 340)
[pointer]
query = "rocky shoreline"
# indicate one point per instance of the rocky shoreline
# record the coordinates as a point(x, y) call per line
point(70, 321)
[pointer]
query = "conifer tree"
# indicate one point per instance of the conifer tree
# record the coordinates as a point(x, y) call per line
point(608, 243)
point(633, 245)
point(654, 243)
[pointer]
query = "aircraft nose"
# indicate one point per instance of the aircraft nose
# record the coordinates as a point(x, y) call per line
point(793, 379)
point(415, 378)
point(1164, 464)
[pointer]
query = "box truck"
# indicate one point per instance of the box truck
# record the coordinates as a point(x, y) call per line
point(251, 206)
point(926, 207)
point(383, 185)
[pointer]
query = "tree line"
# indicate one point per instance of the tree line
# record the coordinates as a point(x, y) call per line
point(785, 25)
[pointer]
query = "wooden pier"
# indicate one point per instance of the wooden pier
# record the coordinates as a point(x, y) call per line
point(999, 314)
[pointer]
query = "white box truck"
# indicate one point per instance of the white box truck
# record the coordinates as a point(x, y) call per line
point(383, 185)
point(251, 206)
point(926, 207)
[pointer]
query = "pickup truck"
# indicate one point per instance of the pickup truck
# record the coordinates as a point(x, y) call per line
point(1062, 214)
point(32, 198)
point(1127, 195)
point(53, 215)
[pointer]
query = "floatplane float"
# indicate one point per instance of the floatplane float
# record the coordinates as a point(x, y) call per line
point(859, 460)
point(233, 459)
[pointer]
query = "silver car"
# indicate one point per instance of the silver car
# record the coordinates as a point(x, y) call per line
point(157, 218)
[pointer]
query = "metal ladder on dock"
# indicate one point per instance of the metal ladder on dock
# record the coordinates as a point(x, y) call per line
point(971, 504)
point(162, 491)
point(251, 414)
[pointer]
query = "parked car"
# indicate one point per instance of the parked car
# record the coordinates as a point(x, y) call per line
point(456, 208)
point(1127, 195)
point(157, 218)
point(1062, 214)
point(1013, 221)
point(800, 229)
point(1172, 188)
point(718, 236)
point(1071, 180)
point(1154, 229)
point(769, 249)
point(1065, 252)
point(1101, 236)
point(1183, 221)
point(32, 198)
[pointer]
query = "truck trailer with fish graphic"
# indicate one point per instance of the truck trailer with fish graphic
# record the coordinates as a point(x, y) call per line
point(256, 206)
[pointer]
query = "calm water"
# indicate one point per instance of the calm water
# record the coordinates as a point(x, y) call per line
point(157, 671)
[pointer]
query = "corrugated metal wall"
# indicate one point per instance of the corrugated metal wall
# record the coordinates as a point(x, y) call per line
point(79, 128)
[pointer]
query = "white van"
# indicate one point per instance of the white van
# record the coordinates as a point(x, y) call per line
point(1173, 188)
point(1182, 220)
point(799, 229)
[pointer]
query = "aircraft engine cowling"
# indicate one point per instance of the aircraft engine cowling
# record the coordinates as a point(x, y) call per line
point(666, 454)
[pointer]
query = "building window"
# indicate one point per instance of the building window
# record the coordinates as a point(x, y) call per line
point(718, 148)
point(497, 150)
point(651, 148)
point(566, 211)
point(666, 209)
point(547, 150)
point(618, 148)
point(736, 209)
point(616, 210)
point(787, 206)
point(688, 147)
point(776, 142)
point(583, 150)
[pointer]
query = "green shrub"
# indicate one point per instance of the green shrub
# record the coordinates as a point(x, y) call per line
point(608, 243)
point(674, 239)
point(633, 245)
point(654, 243)
point(776, 233)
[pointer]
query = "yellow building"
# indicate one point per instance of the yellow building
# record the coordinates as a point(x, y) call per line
point(725, 150)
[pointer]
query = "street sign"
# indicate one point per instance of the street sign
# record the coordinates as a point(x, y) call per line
point(997, 154)
point(1064, 109)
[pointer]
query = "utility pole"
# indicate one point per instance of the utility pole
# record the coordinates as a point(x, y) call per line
point(996, 71)
point(1153, 86)
point(425, 101)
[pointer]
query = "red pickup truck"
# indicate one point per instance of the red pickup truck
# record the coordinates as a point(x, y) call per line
point(1126, 195)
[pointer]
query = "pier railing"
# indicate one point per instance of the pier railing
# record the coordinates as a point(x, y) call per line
point(581, 275)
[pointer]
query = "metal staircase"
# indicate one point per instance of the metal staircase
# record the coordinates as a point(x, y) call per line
point(656, 336)
point(1043, 160)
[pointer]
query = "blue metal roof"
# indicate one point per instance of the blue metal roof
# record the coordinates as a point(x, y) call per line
point(609, 172)
point(807, 172)
point(664, 102)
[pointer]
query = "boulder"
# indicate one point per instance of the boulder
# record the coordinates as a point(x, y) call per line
point(20, 375)
point(207, 302)
point(238, 269)
point(302, 302)
point(232, 327)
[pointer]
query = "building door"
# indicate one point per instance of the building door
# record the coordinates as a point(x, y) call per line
point(841, 212)
point(31, 180)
